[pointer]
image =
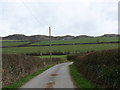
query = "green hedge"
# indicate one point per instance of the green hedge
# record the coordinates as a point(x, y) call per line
point(16, 66)
point(101, 67)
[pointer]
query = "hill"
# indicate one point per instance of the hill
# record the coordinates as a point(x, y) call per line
point(110, 35)
point(38, 37)
point(44, 37)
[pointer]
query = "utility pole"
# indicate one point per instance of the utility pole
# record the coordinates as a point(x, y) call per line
point(50, 42)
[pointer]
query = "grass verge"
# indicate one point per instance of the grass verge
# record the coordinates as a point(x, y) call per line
point(25, 79)
point(79, 80)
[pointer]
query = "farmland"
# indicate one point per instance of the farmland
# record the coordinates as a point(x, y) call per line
point(53, 56)
point(8, 43)
point(82, 40)
point(66, 48)
point(42, 52)
point(12, 43)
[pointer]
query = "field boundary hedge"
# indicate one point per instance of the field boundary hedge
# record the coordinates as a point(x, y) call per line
point(15, 66)
point(79, 79)
point(25, 79)
point(100, 67)
point(28, 44)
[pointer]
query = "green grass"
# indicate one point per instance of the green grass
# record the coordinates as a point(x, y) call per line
point(54, 56)
point(62, 57)
point(82, 40)
point(25, 79)
point(79, 79)
point(66, 48)
point(12, 43)
point(10, 40)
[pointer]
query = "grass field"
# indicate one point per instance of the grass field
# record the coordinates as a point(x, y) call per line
point(66, 48)
point(10, 40)
point(53, 56)
point(12, 43)
point(82, 40)
point(62, 57)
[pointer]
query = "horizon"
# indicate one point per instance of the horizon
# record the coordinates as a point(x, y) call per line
point(63, 35)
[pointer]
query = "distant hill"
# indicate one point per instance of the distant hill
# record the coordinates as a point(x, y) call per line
point(67, 37)
point(110, 35)
point(16, 37)
point(44, 37)
point(83, 36)
point(26, 38)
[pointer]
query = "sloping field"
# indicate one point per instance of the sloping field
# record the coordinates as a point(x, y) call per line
point(82, 40)
point(8, 43)
point(66, 48)
point(12, 43)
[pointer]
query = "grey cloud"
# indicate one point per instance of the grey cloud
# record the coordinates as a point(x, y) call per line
point(91, 18)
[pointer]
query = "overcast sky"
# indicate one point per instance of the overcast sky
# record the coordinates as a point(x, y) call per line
point(66, 17)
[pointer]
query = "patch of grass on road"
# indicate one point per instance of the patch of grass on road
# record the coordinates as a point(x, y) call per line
point(79, 80)
point(25, 79)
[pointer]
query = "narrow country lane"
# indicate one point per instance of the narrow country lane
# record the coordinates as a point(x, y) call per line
point(56, 77)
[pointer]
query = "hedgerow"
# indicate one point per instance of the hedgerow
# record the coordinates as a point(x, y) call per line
point(16, 66)
point(100, 67)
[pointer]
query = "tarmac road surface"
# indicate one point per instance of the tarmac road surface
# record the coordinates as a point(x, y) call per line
point(56, 77)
